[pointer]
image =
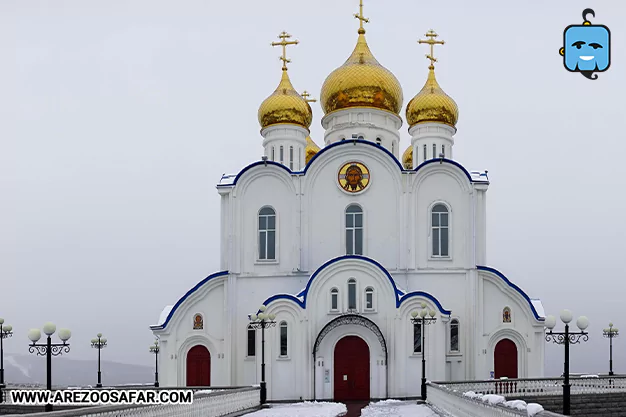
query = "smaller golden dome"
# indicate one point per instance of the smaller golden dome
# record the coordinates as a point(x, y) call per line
point(311, 149)
point(431, 104)
point(407, 158)
point(285, 105)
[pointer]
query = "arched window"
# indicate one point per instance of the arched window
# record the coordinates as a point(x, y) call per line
point(351, 294)
point(417, 338)
point(273, 153)
point(434, 150)
point(393, 147)
point(291, 158)
point(369, 298)
point(354, 230)
point(361, 138)
point(251, 341)
point(334, 299)
point(506, 315)
point(283, 338)
point(454, 335)
point(282, 154)
point(267, 234)
point(443, 150)
point(379, 141)
point(425, 157)
point(440, 231)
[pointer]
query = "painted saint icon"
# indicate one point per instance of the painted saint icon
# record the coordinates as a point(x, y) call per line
point(198, 323)
point(354, 177)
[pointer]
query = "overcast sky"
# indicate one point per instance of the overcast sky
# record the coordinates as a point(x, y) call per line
point(117, 119)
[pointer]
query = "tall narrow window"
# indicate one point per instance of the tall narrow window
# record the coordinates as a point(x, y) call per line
point(282, 155)
point(251, 341)
point(291, 158)
point(454, 335)
point(443, 150)
point(379, 141)
point(354, 230)
point(300, 159)
point(417, 338)
point(425, 157)
point(434, 151)
point(440, 230)
point(267, 234)
point(393, 147)
point(283, 338)
point(273, 153)
point(351, 294)
point(369, 298)
point(334, 299)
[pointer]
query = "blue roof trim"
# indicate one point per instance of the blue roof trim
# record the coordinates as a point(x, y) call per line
point(510, 284)
point(184, 297)
point(352, 142)
point(283, 297)
point(425, 295)
point(348, 142)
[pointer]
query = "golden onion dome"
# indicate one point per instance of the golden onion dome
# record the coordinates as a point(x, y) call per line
point(361, 82)
point(310, 150)
point(285, 105)
point(407, 158)
point(431, 104)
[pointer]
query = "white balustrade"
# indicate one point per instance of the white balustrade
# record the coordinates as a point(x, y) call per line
point(453, 403)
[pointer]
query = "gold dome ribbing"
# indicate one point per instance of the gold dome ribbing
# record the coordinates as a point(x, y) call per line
point(310, 150)
point(285, 105)
point(407, 158)
point(431, 104)
point(361, 81)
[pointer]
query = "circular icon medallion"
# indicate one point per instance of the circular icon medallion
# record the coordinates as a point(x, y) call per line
point(353, 177)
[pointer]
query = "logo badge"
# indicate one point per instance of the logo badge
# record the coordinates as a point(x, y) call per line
point(587, 47)
point(353, 177)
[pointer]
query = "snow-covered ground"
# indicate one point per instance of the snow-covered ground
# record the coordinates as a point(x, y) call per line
point(387, 408)
point(305, 409)
point(396, 408)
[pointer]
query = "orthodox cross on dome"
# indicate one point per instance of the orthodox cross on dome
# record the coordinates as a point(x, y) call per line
point(305, 95)
point(361, 18)
point(431, 35)
point(284, 42)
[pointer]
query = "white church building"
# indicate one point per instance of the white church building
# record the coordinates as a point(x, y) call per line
point(342, 244)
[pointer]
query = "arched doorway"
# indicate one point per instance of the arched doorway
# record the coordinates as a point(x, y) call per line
point(351, 365)
point(505, 359)
point(198, 367)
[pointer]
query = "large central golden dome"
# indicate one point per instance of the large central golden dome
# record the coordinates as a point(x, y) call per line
point(361, 82)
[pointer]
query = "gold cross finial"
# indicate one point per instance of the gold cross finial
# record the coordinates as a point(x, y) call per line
point(361, 18)
point(284, 42)
point(305, 95)
point(431, 35)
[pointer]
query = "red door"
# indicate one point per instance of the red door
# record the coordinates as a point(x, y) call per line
point(198, 367)
point(352, 369)
point(505, 359)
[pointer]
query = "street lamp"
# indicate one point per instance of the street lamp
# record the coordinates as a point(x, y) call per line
point(99, 343)
point(262, 321)
point(611, 332)
point(49, 349)
point(566, 338)
point(419, 318)
point(5, 331)
point(155, 349)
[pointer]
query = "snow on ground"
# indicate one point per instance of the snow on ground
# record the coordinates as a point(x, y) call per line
point(396, 408)
point(305, 409)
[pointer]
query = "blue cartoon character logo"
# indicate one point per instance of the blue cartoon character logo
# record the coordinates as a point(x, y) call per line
point(586, 48)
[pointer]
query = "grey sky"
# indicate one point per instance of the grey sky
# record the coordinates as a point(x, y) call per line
point(117, 119)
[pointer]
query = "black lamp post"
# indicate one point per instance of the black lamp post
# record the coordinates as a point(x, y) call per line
point(419, 318)
point(155, 349)
point(5, 331)
point(567, 338)
point(99, 343)
point(262, 321)
point(610, 333)
point(49, 349)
